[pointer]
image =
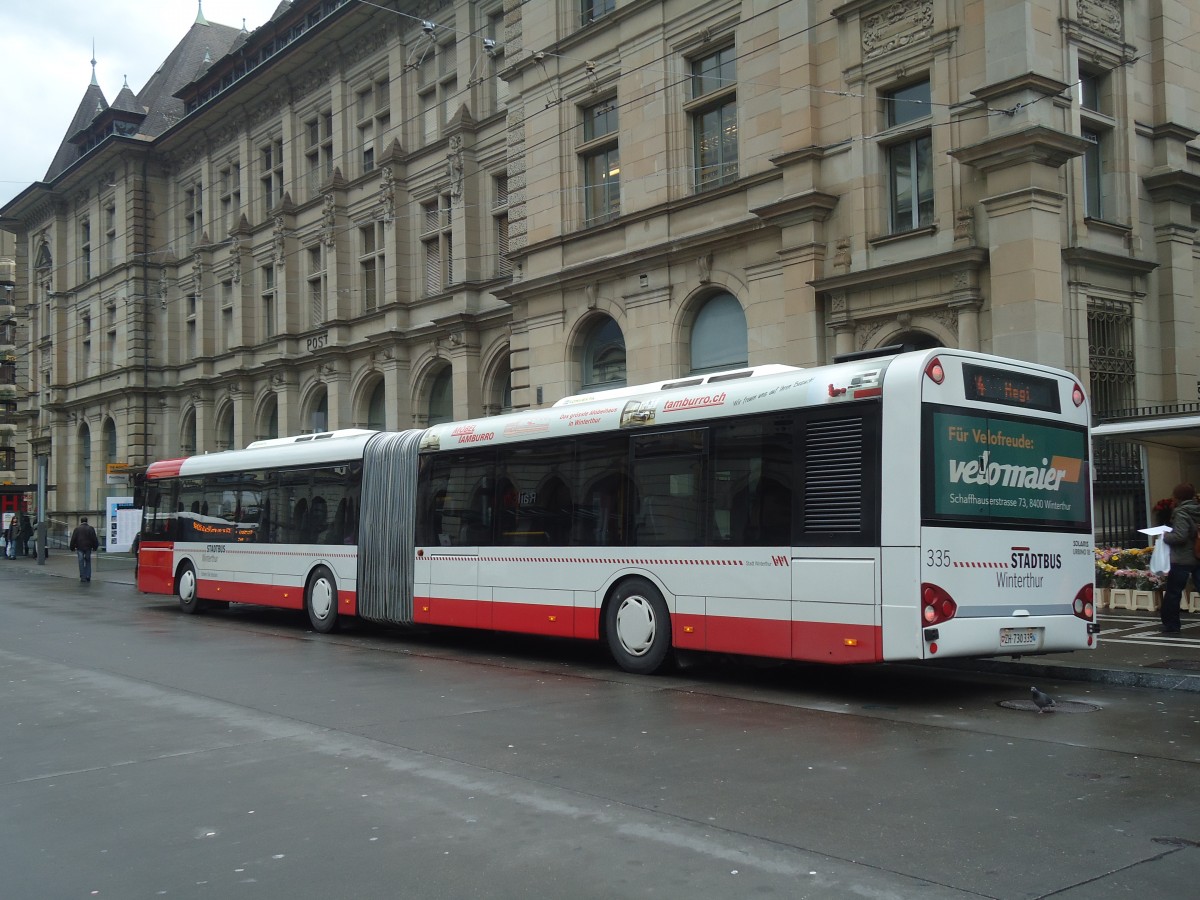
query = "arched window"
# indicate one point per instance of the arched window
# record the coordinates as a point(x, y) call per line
point(719, 335)
point(187, 433)
point(110, 442)
point(441, 397)
point(225, 429)
point(377, 408)
point(603, 357)
point(915, 340)
point(268, 419)
point(500, 389)
point(318, 418)
point(85, 465)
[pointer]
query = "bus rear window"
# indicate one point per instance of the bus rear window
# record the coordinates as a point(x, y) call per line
point(1003, 471)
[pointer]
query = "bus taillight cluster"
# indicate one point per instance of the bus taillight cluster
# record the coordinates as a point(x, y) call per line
point(936, 605)
point(1082, 607)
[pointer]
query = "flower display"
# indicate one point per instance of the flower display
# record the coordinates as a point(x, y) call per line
point(1126, 569)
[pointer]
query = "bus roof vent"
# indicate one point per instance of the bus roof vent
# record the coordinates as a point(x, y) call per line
point(889, 350)
point(690, 382)
point(731, 376)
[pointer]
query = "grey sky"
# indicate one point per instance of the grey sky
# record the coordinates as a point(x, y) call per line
point(47, 53)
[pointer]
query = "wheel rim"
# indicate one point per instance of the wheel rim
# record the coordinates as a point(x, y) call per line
point(187, 585)
point(321, 598)
point(636, 625)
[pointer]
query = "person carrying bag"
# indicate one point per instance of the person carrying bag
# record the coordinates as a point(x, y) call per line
point(1182, 540)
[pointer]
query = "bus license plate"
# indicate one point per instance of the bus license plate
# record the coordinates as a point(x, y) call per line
point(1020, 637)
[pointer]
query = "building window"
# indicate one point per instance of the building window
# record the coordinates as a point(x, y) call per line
point(191, 335)
point(85, 250)
point(318, 152)
point(500, 223)
point(271, 175)
point(373, 109)
point(1096, 127)
point(494, 32)
point(111, 361)
point(377, 408)
point(231, 196)
point(438, 87)
point(371, 265)
point(437, 244)
point(909, 158)
point(193, 213)
point(719, 335)
point(441, 397)
point(228, 333)
point(601, 161)
point(110, 235)
point(603, 357)
point(316, 286)
point(591, 10)
point(267, 303)
point(1111, 356)
point(713, 111)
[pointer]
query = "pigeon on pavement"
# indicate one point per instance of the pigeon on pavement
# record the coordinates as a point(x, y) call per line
point(1041, 700)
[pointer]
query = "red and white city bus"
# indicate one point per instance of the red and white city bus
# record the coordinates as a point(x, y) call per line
point(900, 507)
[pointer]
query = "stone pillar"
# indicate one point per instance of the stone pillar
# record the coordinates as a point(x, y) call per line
point(1024, 205)
point(968, 323)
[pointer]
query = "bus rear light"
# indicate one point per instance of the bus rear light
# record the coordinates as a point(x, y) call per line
point(936, 605)
point(934, 371)
point(1077, 395)
point(1083, 606)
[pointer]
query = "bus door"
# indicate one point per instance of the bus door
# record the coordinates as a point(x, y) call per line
point(456, 511)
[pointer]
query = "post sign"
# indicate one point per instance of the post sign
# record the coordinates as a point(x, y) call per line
point(116, 473)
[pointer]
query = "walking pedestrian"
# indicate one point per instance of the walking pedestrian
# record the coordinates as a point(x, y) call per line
point(1184, 564)
point(83, 541)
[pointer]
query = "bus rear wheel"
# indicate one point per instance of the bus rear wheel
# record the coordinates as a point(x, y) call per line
point(637, 626)
point(320, 599)
point(186, 589)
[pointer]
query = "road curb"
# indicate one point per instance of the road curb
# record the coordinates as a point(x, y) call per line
point(1165, 680)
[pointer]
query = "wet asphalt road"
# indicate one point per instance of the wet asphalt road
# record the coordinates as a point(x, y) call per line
point(144, 753)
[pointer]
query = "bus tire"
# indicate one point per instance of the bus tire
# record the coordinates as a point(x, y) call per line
point(637, 626)
point(320, 600)
point(186, 589)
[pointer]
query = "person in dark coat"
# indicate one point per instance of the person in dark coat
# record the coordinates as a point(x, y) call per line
point(83, 541)
point(1182, 540)
point(24, 533)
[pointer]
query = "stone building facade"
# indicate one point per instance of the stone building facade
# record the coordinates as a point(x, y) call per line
point(396, 214)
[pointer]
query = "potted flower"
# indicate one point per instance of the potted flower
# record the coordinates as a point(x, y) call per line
point(1162, 511)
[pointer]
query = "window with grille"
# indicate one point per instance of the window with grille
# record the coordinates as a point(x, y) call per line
point(500, 223)
point(316, 286)
point(437, 244)
point(1111, 356)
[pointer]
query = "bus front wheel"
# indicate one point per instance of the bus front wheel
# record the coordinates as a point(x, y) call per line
point(321, 601)
point(185, 588)
point(638, 627)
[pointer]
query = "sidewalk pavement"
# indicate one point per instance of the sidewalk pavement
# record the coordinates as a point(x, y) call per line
point(1130, 651)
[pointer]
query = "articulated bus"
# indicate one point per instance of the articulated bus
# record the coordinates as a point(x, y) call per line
point(908, 506)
